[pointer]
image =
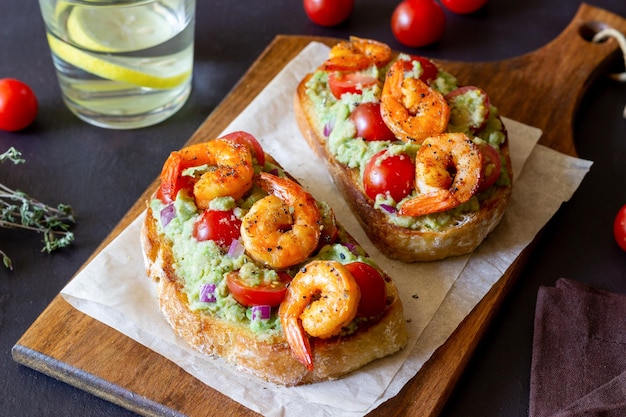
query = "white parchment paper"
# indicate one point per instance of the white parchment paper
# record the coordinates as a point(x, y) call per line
point(436, 296)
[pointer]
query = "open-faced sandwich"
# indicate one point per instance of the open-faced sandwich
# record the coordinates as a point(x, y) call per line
point(422, 162)
point(251, 268)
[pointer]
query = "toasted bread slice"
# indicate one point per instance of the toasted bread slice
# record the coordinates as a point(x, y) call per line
point(460, 236)
point(269, 358)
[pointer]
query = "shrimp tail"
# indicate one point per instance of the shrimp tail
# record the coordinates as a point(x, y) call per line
point(421, 205)
point(298, 342)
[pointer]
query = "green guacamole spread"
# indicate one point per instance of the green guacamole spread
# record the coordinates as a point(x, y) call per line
point(355, 152)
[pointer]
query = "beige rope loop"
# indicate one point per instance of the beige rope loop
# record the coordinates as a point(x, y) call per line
point(621, 40)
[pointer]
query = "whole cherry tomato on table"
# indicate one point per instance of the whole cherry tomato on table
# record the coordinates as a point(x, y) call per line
point(328, 12)
point(18, 105)
point(418, 23)
point(463, 6)
point(619, 227)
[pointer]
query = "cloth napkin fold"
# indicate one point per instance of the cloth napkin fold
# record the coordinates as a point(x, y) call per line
point(579, 352)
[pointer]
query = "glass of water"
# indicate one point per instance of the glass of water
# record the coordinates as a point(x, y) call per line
point(122, 64)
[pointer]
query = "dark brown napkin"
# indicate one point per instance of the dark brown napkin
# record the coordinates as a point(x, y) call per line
point(579, 353)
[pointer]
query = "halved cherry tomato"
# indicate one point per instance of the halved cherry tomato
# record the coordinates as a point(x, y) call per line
point(393, 174)
point(18, 105)
point(369, 123)
point(619, 228)
point(172, 178)
point(372, 286)
point(418, 23)
point(491, 167)
point(480, 107)
point(429, 69)
point(251, 142)
point(349, 82)
point(266, 294)
point(222, 227)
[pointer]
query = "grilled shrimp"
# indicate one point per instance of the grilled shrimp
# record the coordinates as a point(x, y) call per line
point(284, 228)
point(411, 109)
point(357, 54)
point(322, 298)
point(448, 170)
point(223, 168)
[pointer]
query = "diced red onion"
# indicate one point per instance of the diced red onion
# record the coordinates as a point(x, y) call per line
point(389, 209)
point(351, 247)
point(236, 249)
point(274, 171)
point(207, 293)
point(262, 312)
point(328, 127)
point(167, 214)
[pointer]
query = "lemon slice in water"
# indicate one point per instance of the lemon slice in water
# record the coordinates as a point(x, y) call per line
point(110, 30)
point(117, 29)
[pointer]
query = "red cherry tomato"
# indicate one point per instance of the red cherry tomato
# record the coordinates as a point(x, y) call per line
point(393, 174)
point(430, 70)
point(349, 82)
point(372, 286)
point(328, 12)
point(619, 228)
point(271, 294)
point(418, 23)
point(18, 105)
point(251, 142)
point(220, 226)
point(172, 180)
point(463, 6)
point(491, 167)
point(369, 123)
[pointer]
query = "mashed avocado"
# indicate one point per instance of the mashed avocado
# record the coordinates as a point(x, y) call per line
point(354, 152)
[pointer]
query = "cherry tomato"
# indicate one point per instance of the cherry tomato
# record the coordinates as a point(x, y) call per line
point(429, 69)
point(418, 23)
point(372, 286)
point(463, 6)
point(393, 174)
point(619, 228)
point(491, 167)
point(18, 105)
point(251, 142)
point(217, 225)
point(369, 123)
point(172, 179)
point(328, 12)
point(349, 82)
point(265, 294)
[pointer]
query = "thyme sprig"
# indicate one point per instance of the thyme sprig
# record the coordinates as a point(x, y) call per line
point(19, 210)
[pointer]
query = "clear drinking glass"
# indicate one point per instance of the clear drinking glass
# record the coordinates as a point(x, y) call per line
point(122, 64)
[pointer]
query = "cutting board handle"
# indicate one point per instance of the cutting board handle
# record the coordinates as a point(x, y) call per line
point(544, 88)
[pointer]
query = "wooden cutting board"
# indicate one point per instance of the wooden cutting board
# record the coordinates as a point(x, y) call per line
point(542, 89)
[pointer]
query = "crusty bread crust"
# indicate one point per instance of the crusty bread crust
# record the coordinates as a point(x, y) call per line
point(394, 241)
point(271, 361)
